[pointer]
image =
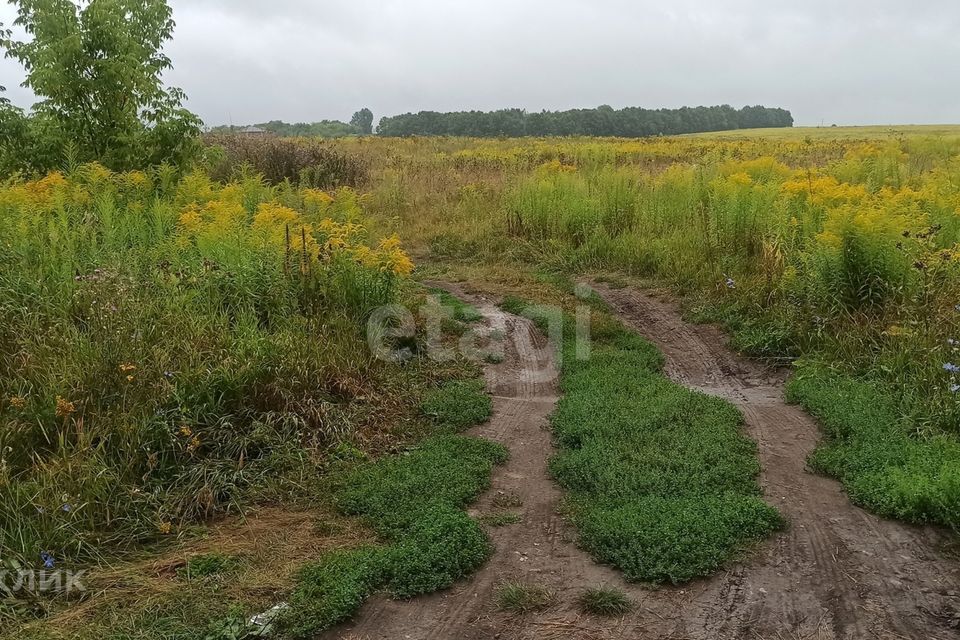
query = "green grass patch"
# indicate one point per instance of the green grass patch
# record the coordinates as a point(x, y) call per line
point(331, 590)
point(661, 480)
point(462, 312)
point(519, 597)
point(756, 333)
point(207, 565)
point(500, 519)
point(494, 358)
point(605, 601)
point(415, 504)
point(458, 405)
point(885, 465)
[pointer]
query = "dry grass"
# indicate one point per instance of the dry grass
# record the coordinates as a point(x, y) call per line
point(269, 544)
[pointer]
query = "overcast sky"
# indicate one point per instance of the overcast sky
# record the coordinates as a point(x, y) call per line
point(831, 61)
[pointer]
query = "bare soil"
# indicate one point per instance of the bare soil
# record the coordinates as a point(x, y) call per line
point(836, 572)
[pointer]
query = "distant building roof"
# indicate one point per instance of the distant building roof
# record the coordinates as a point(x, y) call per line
point(253, 130)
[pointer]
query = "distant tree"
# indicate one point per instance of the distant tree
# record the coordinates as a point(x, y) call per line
point(96, 68)
point(362, 121)
point(3, 34)
point(322, 129)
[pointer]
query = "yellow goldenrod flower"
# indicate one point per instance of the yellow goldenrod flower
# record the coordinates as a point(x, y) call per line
point(65, 408)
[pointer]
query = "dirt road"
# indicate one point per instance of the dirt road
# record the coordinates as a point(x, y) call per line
point(837, 572)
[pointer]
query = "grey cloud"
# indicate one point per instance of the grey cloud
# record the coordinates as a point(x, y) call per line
point(857, 61)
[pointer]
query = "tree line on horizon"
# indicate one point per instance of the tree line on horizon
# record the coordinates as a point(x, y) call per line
point(631, 122)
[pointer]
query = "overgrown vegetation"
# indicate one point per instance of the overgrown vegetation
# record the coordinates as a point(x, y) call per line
point(159, 348)
point(177, 343)
point(462, 312)
point(308, 163)
point(661, 480)
point(501, 519)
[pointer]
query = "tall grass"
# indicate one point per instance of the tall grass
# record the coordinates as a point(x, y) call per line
point(165, 345)
point(856, 260)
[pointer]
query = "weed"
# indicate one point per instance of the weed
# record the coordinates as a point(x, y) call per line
point(493, 358)
point(605, 601)
point(520, 597)
point(185, 340)
point(507, 500)
point(330, 590)
point(308, 162)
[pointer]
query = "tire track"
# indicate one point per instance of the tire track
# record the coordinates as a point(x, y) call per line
point(838, 572)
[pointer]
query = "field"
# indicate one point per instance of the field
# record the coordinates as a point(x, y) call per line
point(839, 133)
point(186, 364)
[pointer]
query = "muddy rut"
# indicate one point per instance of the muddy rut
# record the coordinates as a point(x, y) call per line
point(836, 572)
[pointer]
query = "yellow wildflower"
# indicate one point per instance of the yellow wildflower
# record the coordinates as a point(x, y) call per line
point(317, 200)
point(65, 408)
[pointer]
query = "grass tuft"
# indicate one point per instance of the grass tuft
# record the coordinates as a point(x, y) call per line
point(501, 519)
point(605, 601)
point(507, 500)
point(519, 597)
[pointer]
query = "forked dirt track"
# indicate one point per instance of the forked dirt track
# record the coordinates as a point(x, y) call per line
point(836, 572)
